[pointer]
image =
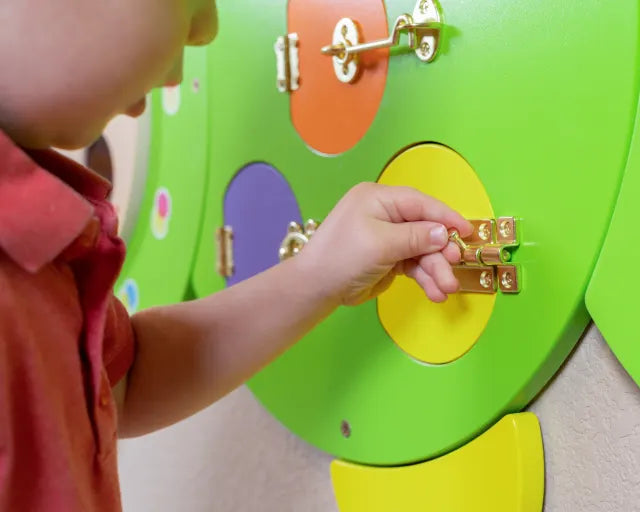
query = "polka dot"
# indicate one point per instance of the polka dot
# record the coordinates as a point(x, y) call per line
point(129, 295)
point(171, 100)
point(163, 205)
point(161, 214)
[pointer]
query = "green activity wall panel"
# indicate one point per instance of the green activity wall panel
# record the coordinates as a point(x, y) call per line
point(540, 104)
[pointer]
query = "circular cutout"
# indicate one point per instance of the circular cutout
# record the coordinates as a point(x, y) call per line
point(428, 331)
point(332, 116)
point(259, 204)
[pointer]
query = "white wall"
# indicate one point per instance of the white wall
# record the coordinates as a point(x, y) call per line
point(231, 457)
point(590, 417)
point(234, 457)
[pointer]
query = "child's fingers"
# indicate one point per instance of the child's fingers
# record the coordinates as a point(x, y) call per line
point(437, 266)
point(425, 281)
point(452, 253)
point(408, 240)
point(409, 204)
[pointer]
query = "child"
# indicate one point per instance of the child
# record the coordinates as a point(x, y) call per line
point(71, 375)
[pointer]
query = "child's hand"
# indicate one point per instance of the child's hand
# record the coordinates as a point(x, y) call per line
point(376, 232)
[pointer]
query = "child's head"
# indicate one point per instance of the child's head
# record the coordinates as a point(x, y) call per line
point(69, 66)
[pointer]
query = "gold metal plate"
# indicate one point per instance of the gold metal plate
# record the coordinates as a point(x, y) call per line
point(475, 279)
point(508, 278)
point(484, 256)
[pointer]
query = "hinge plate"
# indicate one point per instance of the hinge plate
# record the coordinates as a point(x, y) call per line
point(225, 265)
point(287, 63)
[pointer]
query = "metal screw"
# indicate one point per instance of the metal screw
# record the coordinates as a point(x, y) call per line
point(484, 231)
point(507, 280)
point(294, 227)
point(345, 429)
point(345, 30)
point(424, 6)
point(486, 279)
point(425, 48)
point(310, 227)
point(506, 229)
point(196, 85)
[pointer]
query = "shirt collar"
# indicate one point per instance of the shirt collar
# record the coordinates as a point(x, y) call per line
point(42, 208)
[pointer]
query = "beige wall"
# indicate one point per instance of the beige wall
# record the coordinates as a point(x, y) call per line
point(234, 457)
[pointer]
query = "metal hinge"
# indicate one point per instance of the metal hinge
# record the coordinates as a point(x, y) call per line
point(287, 63)
point(485, 257)
point(224, 242)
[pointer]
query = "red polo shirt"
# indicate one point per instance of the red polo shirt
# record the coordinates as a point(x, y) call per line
point(64, 339)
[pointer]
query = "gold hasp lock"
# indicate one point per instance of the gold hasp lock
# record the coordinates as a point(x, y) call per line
point(422, 28)
point(485, 256)
point(296, 238)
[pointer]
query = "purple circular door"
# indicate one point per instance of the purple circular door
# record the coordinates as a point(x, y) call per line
point(259, 205)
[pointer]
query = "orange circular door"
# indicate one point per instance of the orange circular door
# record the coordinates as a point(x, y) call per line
point(332, 116)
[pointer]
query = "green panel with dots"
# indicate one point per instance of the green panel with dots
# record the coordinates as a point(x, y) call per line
point(160, 254)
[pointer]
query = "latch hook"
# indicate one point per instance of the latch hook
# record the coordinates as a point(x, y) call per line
point(422, 28)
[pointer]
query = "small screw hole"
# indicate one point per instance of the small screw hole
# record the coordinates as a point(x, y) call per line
point(345, 429)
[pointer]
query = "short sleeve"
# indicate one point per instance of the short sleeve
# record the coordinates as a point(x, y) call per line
point(118, 349)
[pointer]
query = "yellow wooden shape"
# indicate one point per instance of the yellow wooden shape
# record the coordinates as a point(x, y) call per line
point(500, 471)
point(436, 333)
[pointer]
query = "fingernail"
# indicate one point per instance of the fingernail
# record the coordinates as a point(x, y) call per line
point(439, 236)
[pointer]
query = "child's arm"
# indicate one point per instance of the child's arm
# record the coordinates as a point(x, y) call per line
point(191, 354)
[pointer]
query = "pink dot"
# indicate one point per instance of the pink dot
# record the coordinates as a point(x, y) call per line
point(163, 205)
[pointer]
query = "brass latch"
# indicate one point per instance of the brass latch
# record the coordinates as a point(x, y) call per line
point(287, 63)
point(485, 256)
point(422, 28)
point(224, 244)
point(297, 237)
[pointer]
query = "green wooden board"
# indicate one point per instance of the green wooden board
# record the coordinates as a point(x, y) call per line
point(160, 254)
point(541, 103)
point(611, 296)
